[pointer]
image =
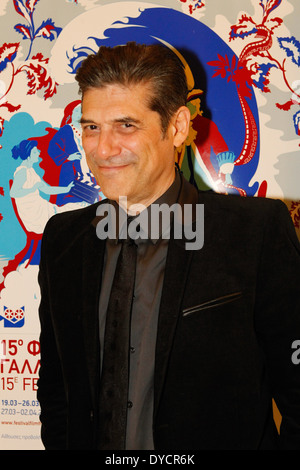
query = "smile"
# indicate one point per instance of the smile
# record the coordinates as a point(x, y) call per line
point(113, 168)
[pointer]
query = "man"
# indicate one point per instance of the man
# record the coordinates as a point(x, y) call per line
point(212, 327)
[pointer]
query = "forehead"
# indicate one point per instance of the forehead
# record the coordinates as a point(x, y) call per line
point(117, 98)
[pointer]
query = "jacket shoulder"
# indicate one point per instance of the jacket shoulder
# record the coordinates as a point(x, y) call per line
point(70, 224)
point(250, 214)
point(238, 205)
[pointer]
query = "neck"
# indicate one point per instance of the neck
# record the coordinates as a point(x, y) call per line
point(27, 163)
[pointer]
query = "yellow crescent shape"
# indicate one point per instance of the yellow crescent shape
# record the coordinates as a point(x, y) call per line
point(188, 72)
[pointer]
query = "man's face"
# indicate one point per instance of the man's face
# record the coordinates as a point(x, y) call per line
point(124, 145)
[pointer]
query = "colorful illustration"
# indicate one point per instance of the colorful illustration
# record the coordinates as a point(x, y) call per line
point(242, 63)
point(65, 148)
point(13, 318)
point(220, 153)
point(193, 5)
point(212, 151)
point(36, 70)
point(256, 62)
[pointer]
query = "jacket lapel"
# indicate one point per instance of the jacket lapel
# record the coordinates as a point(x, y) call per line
point(177, 267)
point(176, 272)
point(93, 255)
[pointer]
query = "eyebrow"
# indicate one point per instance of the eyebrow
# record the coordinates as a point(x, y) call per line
point(84, 121)
point(121, 120)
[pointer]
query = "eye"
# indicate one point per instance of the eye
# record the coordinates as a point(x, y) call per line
point(127, 127)
point(89, 129)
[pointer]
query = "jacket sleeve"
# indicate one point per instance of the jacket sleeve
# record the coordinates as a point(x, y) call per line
point(278, 318)
point(51, 392)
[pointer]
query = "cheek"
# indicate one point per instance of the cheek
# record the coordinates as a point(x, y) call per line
point(90, 163)
point(89, 145)
point(90, 141)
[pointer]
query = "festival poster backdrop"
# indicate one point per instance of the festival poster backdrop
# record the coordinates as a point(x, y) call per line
point(242, 61)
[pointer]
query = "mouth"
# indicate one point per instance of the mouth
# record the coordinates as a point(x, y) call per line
point(112, 168)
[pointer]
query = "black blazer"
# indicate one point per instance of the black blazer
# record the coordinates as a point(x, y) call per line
point(229, 315)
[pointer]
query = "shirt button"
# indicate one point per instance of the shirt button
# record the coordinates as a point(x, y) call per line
point(132, 349)
point(129, 404)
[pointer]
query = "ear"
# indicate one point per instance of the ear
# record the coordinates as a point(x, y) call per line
point(181, 125)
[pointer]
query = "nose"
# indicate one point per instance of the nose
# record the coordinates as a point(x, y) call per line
point(108, 145)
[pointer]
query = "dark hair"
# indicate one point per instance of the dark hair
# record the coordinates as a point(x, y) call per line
point(132, 64)
point(23, 149)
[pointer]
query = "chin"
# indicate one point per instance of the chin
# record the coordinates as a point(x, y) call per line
point(112, 195)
